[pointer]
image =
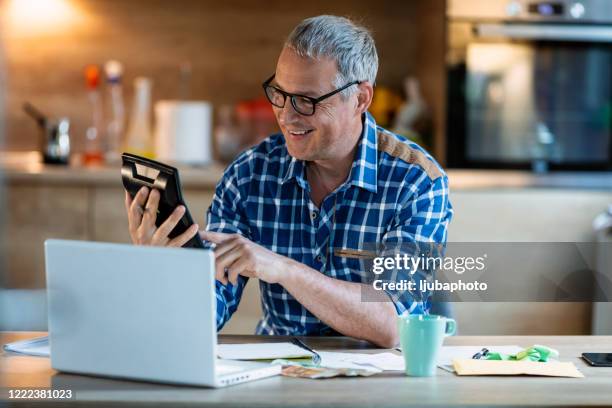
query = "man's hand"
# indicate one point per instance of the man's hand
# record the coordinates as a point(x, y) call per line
point(142, 213)
point(336, 302)
point(236, 255)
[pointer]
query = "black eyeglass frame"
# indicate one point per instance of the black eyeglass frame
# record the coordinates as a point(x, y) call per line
point(313, 101)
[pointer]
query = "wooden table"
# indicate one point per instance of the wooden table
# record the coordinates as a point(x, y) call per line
point(383, 390)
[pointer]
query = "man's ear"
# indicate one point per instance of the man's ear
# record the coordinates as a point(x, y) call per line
point(365, 94)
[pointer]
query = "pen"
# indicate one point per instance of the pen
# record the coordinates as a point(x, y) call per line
point(316, 358)
point(482, 353)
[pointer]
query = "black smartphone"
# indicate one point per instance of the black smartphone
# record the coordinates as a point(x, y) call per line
point(138, 172)
point(598, 359)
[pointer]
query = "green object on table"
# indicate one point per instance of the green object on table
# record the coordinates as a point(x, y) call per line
point(534, 353)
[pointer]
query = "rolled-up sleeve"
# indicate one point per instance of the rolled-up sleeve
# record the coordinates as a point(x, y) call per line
point(420, 226)
point(226, 215)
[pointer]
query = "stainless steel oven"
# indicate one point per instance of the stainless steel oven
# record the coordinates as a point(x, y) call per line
point(529, 84)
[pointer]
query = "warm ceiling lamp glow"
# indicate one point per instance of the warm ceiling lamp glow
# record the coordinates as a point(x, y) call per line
point(40, 16)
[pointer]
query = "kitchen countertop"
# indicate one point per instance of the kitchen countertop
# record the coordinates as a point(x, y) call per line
point(485, 179)
point(26, 167)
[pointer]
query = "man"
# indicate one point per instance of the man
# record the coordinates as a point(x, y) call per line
point(294, 210)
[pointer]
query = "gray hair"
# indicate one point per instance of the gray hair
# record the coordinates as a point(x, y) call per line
point(350, 45)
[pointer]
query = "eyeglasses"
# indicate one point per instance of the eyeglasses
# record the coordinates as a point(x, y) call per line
point(304, 105)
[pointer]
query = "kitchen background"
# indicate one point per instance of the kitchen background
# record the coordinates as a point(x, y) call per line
point(220, 52)
point(231, 46)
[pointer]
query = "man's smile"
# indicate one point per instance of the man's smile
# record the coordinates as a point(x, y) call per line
point(299, 133)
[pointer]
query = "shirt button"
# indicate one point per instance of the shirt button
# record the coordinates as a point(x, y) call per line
point(319, 258)
point(313, 215)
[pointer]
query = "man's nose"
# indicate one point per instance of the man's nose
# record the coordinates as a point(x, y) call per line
point(287, 114)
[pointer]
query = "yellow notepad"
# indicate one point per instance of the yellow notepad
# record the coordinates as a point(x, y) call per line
point(497, 367)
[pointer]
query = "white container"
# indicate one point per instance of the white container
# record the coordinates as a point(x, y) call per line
point(183, 131)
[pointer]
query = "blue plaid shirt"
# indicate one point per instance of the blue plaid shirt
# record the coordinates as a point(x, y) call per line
point(395, 193)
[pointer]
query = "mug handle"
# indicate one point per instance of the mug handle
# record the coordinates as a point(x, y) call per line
point(451, 327)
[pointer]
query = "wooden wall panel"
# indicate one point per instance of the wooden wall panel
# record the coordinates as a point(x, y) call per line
point(34, 214)
point(108, 218)
point(232, 46)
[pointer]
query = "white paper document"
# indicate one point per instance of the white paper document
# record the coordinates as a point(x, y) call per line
point(329, 359)
point(261, 351)
point(38, 347)
point(395, 362)
point(332, 359)
point(382, 361)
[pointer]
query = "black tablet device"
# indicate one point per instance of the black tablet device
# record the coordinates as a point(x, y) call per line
point(598, 359)
point(137, 172)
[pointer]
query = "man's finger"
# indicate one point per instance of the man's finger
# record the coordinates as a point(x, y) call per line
point(128, 201)
point(167, 226)
point(184, 237)
point(135, 212)
point(220, 275)
point(225, 260)
point(220, 272)
point(227, 245)
point(221, 278)
point(141, 197)
point(150, 211)
point(215, 237)
point(240, 267)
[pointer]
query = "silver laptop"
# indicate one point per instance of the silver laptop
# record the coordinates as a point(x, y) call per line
point(135, 312)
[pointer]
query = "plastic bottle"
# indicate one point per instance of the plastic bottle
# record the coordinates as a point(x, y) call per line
point(139, 135)
point(115, 111)
point(94, 154)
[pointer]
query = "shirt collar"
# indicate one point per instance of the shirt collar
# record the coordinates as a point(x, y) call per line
point(364, 172)
point(296, 171)
point(364, 169)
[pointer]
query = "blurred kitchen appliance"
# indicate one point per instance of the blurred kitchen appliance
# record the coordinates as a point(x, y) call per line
point(529, 84)
point(54, 136)
point(183, 131)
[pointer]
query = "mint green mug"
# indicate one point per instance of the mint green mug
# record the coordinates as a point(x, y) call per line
point(421, 338)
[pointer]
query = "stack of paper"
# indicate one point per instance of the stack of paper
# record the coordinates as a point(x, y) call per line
point(32, 347)
point(261, 351)
point(329, 359)
point(373, 362)
point(382, 361)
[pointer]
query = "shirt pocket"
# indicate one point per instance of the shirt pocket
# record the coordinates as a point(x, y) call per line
point(357, 262)
point(354, 253)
